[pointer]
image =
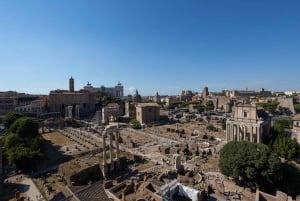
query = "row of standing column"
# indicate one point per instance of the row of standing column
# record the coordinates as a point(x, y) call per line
point(110, 147)
point(233, 133)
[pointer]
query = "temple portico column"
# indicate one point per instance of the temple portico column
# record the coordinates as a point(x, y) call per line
point(258, 134)
point(231, 132)
point(245, 133)
point(227, 125)
point(251, 134)
point(238, 133)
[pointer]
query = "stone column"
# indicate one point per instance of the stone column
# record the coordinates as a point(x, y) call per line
point(251, 134)
point(104, 149)
point(238, 133)
point(227, 125)
point(245, 132)
point(258, 134)
point(232, 132)
point(111, 149)
point(118, 166)
point(117, 146)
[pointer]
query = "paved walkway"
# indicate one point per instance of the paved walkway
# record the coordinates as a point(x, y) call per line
point(29, 188)
point(32, 192)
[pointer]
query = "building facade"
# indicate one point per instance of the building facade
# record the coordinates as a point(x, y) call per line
point(116, 91)
point(248, 124)
point(62, 100)
point(147, 112)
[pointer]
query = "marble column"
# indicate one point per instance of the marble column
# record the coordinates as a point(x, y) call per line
point(111, 149)
point(251, 134)
point(227, 132)
point(258, 134)
point(245, 133)
point(231, 132)
point(104, 149)
point(117, 145)
point(238, 133)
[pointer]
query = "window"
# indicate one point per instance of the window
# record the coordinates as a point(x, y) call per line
point(150, 110)
point(245, 114)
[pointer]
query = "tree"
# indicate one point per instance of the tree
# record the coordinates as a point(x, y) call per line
point(209, 106)
point(135, 124)
point(210, 127)
point(10, 118)
point(286, 147)
point(254, 163)
point(297, 108)
point(22, 142)
point(21, 151)
point(200, 108)
point(269, 107)
point(25, 127)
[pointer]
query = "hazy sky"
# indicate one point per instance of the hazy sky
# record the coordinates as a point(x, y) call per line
point(152, 45)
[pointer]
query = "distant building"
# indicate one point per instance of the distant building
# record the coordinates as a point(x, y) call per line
point(110, 113)
point(241, 93)
point(169, 100)
point(21, 102)
point(7, 104)
point(147, 112)
point(248, 124)
point(34, 107)
point(59, 100)
point(186, 95)
point(156, 98)
point(205, 92)
point(117, 91)
point(84, 101)
point(296, 127)
point(137, 98)
point(71, 85)
point(130, 110)
point(247, 93)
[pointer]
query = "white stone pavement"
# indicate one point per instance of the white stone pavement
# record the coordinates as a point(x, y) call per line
point(29, 188)
point(32, 192)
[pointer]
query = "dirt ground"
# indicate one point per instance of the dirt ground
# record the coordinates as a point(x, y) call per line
point(58, 139)
point(139, 139)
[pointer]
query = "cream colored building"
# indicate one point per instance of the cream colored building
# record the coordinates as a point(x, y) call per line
point(248, 123)
point(147, 112)
point(296, 128)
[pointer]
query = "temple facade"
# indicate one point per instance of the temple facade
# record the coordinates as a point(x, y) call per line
point(249, 124)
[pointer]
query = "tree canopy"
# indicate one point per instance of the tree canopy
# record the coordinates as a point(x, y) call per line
point(297, 108)
point(269, 107)
point(25, 127)
point(280, 142)
point(135, 124)
point(22, 141)
point(286, 147)
point(254, 163)
point(209, 106)
point(10, 118)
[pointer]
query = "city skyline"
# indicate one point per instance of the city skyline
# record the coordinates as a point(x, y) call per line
point(150, 46)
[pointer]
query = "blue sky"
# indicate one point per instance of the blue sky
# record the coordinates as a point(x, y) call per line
point(152, 45)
